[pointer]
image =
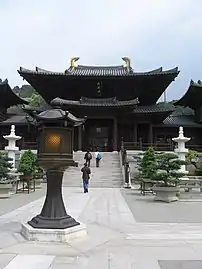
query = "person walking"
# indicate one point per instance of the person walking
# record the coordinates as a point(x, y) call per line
point(98, 157)
point(85, 176)
point(88, 157)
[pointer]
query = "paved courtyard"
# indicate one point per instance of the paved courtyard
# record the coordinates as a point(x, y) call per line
point(125, 230)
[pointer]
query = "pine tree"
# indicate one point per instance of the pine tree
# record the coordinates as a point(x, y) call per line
point(5, 166)
point(148, 164)
point(168, 166)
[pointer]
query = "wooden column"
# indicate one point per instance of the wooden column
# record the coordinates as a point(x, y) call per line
point(135, 132)
point(115, 135)
point(150, 134)
point(79, 138)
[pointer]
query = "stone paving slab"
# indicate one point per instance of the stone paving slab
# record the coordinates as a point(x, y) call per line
point(144, 209)
point(5, 259)
point(180, 264)
point(20, 199)
point(30, 261)
point(115, 239)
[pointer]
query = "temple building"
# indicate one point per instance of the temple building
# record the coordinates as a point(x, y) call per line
point(119, 103)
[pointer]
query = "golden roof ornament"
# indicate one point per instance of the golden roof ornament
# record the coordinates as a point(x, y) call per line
point(73, 62)
point(127, 63)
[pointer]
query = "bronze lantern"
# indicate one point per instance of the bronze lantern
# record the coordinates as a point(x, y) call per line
point(55, 154)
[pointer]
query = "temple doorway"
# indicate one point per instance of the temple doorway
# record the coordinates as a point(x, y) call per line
point(98, 133)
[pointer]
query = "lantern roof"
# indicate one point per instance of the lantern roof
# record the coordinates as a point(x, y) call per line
point(57, 114)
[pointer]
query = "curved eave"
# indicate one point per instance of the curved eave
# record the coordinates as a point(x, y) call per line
point(156, 115)
point(150, 85)
point(153, 90)
point(193, 96)
point(151, 110)
point(85, 71)
point(58, 114)
point(182, 120)
point(8, 97)
point(75, 104)
point(18, 120)
point(154, 112)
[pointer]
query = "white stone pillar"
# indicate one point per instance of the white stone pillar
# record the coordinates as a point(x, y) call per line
point(11, 148)
point(181, 150)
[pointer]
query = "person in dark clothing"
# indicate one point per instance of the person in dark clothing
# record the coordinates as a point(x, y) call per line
point(85, 176)
point(88, 157)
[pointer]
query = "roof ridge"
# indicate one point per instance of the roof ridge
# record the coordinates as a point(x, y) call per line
point(85, 101)
point(198, 83)
point(85, 70)
point(101, 66)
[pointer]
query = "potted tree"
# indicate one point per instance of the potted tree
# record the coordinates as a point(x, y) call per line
point(147, 169)
point(5, 182)
point(168, 174)
point(27, 165)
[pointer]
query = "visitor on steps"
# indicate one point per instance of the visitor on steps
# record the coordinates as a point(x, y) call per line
point(85, 176)
point(88, 157)
point(98, 157)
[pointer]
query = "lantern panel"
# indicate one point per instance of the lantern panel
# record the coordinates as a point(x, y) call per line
point(56, 140)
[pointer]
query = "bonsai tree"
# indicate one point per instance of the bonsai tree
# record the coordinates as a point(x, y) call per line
point(27, 164)
point(5, 166)
point(168, 166)
point(148, 166)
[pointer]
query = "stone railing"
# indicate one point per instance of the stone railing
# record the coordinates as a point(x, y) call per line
point(158, 146)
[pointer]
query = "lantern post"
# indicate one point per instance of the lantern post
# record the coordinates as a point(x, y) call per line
point(55, 154)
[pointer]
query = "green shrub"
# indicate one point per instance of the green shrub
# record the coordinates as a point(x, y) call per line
point(5, 166)
point(28, 163)
point(147, 166)
point(168, 166)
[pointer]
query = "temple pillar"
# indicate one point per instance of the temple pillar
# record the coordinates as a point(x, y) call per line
point(135, 132)
point(79, 138)
point(115, 135)
point(150, 134)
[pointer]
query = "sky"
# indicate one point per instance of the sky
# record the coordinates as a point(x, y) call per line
point(152, 33)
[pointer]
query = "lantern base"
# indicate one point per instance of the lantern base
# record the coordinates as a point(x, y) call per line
point(41, 222)
point(53, 235)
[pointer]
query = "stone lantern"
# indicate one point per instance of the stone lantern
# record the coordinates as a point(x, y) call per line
point(55, 154)
point(12, 148)
point(181, 150)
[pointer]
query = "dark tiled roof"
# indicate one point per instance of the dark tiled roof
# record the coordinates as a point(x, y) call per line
point(58, 114)
point(15, 110)
point(110, 71)
point(151, 109)
point(193, 96)
point(8, 97)
point(99, 71)
point(147, 86)
point(16, 120)
point(95, 102)
point(2, 116)
point(181, 121)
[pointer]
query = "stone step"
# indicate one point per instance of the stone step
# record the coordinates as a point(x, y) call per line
point(108, 175)
point(80, 184)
